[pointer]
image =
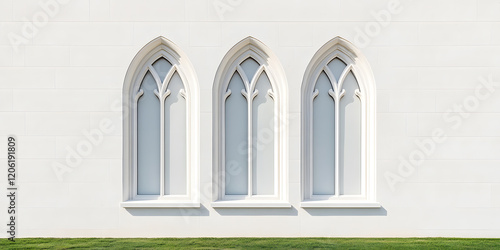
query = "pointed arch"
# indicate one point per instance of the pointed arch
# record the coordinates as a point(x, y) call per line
point(176, 94)
point(351, 106)
point(252, 64)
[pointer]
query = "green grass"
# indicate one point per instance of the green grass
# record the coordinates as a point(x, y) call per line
point(251, 243)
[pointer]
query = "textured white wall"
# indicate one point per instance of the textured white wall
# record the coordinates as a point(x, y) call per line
point(68, 77)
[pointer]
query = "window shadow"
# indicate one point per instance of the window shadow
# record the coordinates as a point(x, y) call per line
point(346, 211)
point(201, 211)
point(257, 211)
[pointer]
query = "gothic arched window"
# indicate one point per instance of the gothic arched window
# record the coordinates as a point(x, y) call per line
point(338, 129)
point(161, 129)
point(249, 102)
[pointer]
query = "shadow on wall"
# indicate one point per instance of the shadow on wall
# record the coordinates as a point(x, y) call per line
point(293, 212)
point(257, 211)
point(347, 211)
point(201, 211)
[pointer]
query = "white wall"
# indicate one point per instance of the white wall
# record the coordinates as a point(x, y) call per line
point(431, 55)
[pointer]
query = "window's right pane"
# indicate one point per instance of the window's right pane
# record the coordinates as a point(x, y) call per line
point(263, 139)
point(323, 172)
point(350, 139)
point(236, 139)
point(148, 139)
point(175, 139)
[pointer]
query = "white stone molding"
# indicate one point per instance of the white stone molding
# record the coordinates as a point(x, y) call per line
point(255, 49)
point(359, 66)
point(140, 65)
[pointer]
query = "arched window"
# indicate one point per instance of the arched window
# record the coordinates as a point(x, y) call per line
point(249, 132)
point(338, 128)
point(160, 129)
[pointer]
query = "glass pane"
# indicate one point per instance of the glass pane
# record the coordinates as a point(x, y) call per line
point(350, 139)
point(323, 139)
point(250, 66)
point(263, 139)
point(175, 139)
point(236, 139)
point(337, 66)
point(148, 139)
point(162, 66)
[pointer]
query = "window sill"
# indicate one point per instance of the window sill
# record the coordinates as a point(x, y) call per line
point(251, 204)
point(339, 204)
point(159, 204)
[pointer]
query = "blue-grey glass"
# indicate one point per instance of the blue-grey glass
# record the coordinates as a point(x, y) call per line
point(236, 139)
point(148, 139)
point(249, 66)
point(337, 66)
point(263, 139)
point(350, 139)
point(162, 67)
point(323, 139)
point(175, 139)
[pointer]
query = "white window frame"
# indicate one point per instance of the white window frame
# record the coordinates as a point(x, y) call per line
point(141, 64)
point(357, 63)
point(255, 49)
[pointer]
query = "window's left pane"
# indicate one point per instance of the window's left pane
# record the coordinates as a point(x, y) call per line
point(148, 139)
